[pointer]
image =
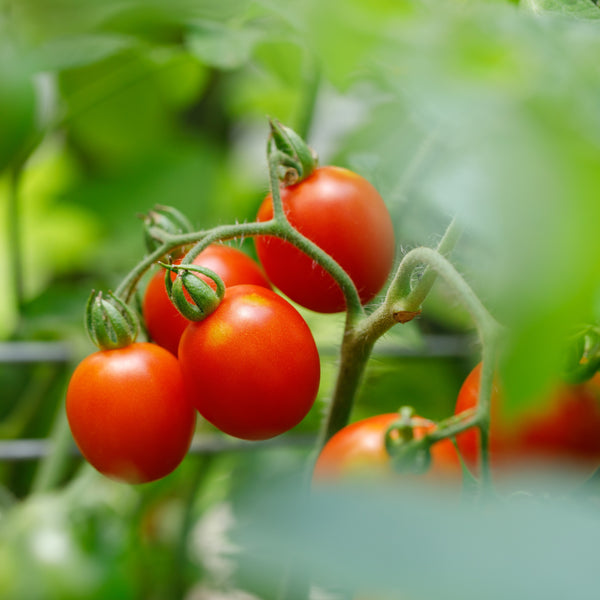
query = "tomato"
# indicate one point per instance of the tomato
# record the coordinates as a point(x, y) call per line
point(561, 433)
point(500, 431)
point(163, 322)
point(252, 366)
point(345, 216)
point(129, 412)
point(358, 450)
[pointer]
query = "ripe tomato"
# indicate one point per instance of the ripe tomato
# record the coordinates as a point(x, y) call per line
point(562, 433)
point(358, 450)
point(252, 366)
point(164, 323)
point(500, 432)
point(343, 214)
point(129, 413)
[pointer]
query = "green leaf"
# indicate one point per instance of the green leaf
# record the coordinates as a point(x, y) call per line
point(79, 50)
point(221, 45)
point(17, 101)
point(580, 9)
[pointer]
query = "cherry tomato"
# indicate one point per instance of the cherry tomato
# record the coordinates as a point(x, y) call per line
point(563, 432)
point(358, 450)
point(344, 215)
point(501, 433)
point(164, 323)
point(129, 413)
point(252, 366)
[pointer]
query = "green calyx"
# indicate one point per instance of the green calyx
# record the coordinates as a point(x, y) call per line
point(407, 455)
point(110, 323)
point(582, 355)
point(295, 157)
point(161, 222)
point(193, 297)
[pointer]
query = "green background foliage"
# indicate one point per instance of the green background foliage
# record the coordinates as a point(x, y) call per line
point(482, 110)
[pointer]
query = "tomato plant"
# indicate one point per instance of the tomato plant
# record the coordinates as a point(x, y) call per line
point(344, 215)
point(129, 413)
point(163, 322)
point(252, 366)
point(358, 450)
point(564, 431)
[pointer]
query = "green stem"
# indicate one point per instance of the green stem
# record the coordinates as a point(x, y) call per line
point(15, 242)
point(354, 355)
point(361, 333)
point(287, 232)
point(52, 468)
point(225, 232)
point(488, 366)
point(421, 290)
point(403, 300)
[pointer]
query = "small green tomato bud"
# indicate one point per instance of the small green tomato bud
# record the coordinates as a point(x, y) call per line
point(110, 323)
point(161, 220)
point(193, 297)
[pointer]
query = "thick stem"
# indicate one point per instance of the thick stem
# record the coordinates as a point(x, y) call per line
point(355, 353)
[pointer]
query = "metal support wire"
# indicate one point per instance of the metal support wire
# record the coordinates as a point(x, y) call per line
point(34, 449)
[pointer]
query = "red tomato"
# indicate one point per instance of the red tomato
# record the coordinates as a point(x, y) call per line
point(129, 412)
point(252, 366)
point(164, 323)
point(344, 215)
point(358, 450)
point(564, 432)
point(500, 432)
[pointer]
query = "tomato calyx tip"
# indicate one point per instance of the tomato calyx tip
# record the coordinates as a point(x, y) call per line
point(407, 454)
point(110, 323)
point(193, 297)
point(164, 220)
point(296, 159)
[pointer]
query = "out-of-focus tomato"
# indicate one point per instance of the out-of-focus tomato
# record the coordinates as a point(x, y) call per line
point(358, 451)
point(561, 433)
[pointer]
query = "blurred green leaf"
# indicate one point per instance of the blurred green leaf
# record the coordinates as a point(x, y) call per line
point(411, 543)
point(156, 20)
point(222, 46)
point(17, 101)
point(581, 9)
point(79, 50)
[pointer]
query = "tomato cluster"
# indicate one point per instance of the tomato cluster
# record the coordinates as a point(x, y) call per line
point(251, 367)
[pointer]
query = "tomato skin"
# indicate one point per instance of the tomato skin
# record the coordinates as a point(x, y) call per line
point(358, 450)
point(564, 432)
point(164, 323)
point(129, 412)
point(252, 366)
point(500, 432)
point(344, 215)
